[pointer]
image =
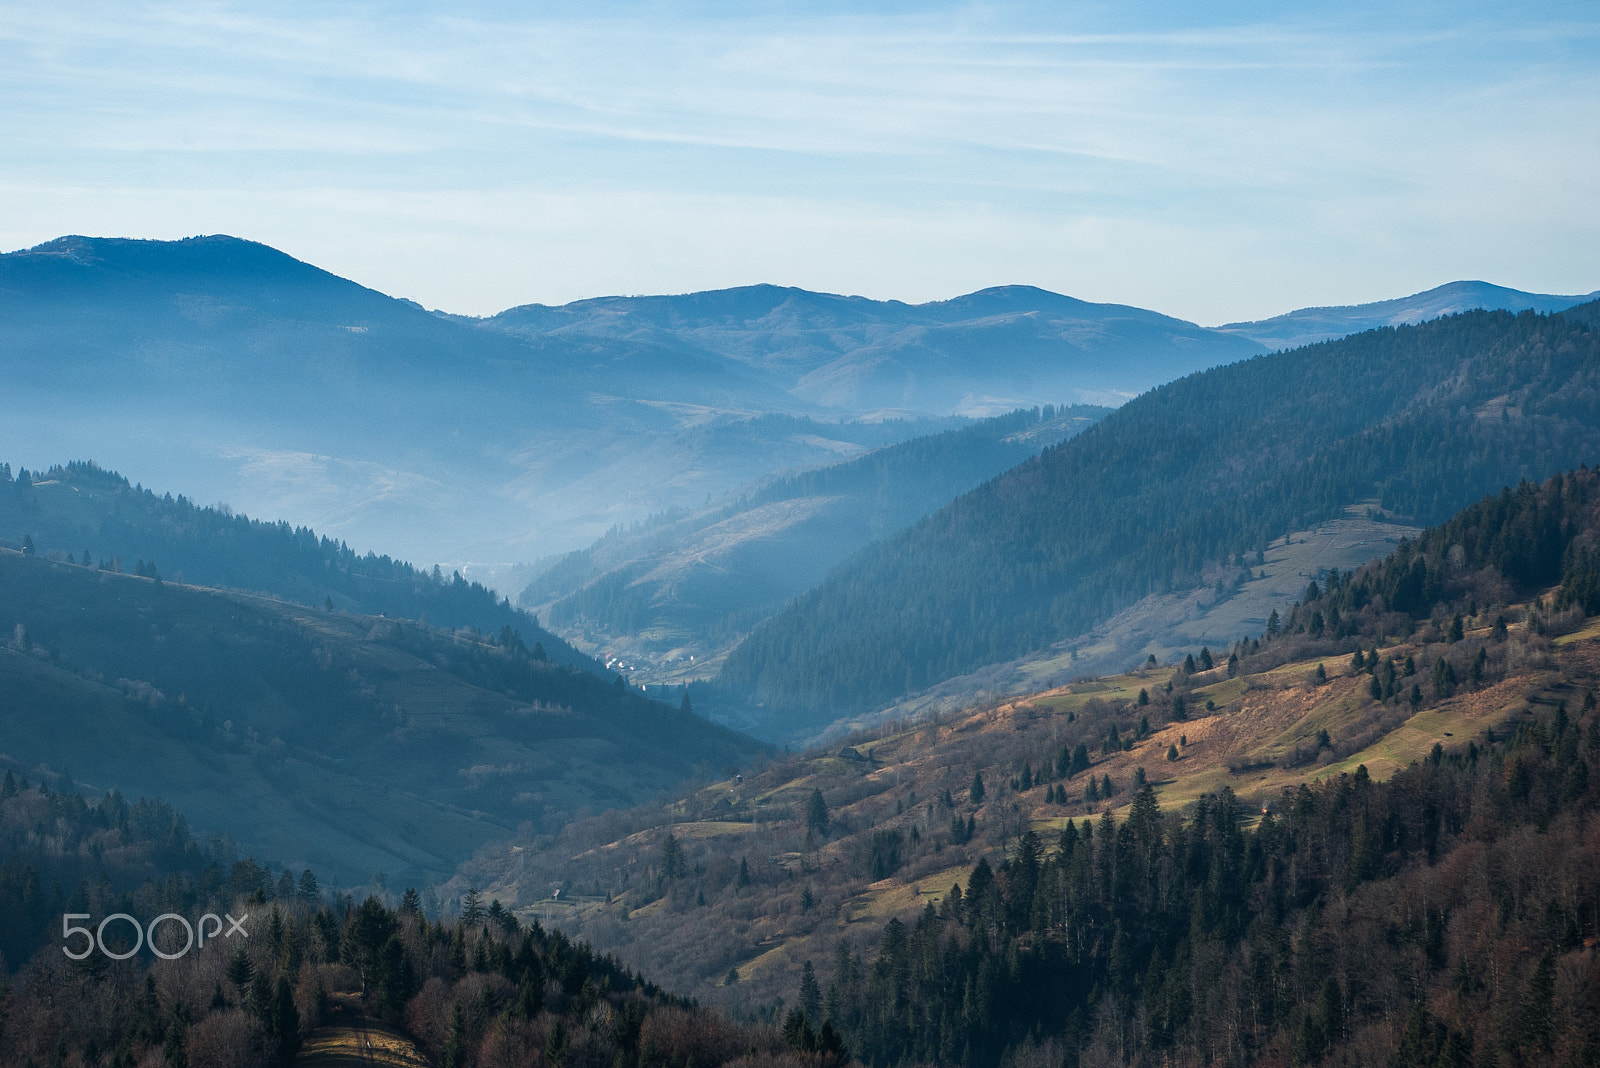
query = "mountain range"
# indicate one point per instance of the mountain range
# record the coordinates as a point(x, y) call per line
point(1307, 326)
point(1320, 793)
point(666, 598)
point(227, 369)
point(1185, 486)
point(235, 372)
point(351, 743)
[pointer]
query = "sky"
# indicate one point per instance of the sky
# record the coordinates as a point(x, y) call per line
point(1216, 161)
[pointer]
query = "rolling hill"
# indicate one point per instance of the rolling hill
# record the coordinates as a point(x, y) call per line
point(351, 744)
point(84, 514)
point(669, 597)
point(1186, 485)
point(1160, 844)
point(1307, 326)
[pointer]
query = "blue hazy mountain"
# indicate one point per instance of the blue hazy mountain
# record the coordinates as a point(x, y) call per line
point(1310, 325)
point(239, 373)
point(1189, 481)
point(89, 515)
point(663, 596)
point(346, 742)
point(978, 354)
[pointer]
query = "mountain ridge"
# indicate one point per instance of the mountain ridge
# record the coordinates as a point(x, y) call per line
point(349, 743)
point(1201, 472)
point(1305, 326)
point(81, 507)
point(287, 390)
point(667, 597)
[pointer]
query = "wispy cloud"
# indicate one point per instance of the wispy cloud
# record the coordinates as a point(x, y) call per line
point(1214, 169)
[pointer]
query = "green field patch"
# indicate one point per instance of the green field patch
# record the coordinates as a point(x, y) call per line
point(1589, 633)
point(711, 828)
point(1117, 687)
point(1328, 715)
point(1449, 724)
point(655, 908)
point(1223, 693)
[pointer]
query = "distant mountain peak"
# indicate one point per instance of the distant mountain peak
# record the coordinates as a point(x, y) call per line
point(79, 245)
point(72, 247)
point(1307, 326)
point(216, 258)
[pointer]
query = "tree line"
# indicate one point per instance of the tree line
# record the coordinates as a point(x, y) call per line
point(113, 524)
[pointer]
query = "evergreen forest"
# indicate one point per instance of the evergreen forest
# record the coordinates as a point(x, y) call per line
point(1196, 475)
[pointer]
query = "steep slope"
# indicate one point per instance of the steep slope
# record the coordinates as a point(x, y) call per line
point(1473, 694)
point(1307, 326)
point(1198, 474)
point(1359, 897)
point(84, 514)
point(691, 586)
point(352, 744)
point(315, 978)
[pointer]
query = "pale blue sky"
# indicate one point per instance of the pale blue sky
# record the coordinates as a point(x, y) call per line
point(1215, 161)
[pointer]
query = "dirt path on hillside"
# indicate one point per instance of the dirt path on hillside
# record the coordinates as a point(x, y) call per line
point(349, 1038)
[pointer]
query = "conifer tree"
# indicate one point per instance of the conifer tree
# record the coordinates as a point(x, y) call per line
point(240, 970)
point(810, 992)
point(471, 907)
point(285, 1022)
point(817, 813)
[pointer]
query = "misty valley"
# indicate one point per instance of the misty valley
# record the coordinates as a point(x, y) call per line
point(767, 678)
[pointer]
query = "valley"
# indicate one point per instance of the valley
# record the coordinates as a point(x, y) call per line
point(937, 535)
point(1455, 677)
point(1181, 488)
point(358, 745)
point(1259, 738)
point(1047, 635)
point(665, 601)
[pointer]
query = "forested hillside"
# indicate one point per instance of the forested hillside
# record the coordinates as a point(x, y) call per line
point(57, 848)
point(349, 743)
point(732, 891)
point(696, 583)
point(1307, 326)
point(89, 515)
point(1204, 471)
point(1447, 916)
point(309, 972)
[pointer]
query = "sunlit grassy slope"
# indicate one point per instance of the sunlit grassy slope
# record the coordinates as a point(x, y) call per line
point(893, 845)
